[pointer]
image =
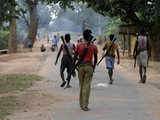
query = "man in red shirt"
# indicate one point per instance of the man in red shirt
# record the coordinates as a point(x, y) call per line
point(86, 68)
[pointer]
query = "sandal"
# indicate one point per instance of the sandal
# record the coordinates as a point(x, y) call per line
point(63, 84)
point(144, 79)
point(85, 108)
point(68, 86)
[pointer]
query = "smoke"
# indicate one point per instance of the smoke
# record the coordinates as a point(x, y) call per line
point(78, 19)
point(64, 24)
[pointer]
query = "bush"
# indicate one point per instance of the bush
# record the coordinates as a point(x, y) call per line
point(4, 39)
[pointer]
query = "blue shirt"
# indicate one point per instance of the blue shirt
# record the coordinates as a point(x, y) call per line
point(29, 42)
point(54, 41)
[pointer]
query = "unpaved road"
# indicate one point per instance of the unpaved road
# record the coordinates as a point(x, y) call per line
point(126, 99)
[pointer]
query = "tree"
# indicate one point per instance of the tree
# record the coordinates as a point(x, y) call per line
point(144, 13)
point(11, 5)
point(113, 25)
point(12, 41)
point(62, 3)
point(43, 16)
point(33, 22)
point(5, 7)
point(9, 12)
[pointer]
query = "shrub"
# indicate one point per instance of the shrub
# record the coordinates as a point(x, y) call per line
point(4, 39)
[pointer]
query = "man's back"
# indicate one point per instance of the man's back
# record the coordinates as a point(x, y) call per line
point(70, 48)
point(92, 49)
point(142, 43)
point(113, 49)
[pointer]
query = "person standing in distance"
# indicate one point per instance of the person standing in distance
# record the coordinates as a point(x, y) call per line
point(54, 43)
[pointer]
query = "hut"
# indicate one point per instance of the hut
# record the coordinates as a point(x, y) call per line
point(128, 35)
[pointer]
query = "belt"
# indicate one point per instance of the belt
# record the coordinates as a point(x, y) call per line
point(85, 64)
point(110, 55)
point(143, 50)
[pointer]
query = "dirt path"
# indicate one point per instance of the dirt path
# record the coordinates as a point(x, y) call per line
point(47, 101)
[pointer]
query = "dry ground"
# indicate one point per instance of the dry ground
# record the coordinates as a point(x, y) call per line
point(39, 97)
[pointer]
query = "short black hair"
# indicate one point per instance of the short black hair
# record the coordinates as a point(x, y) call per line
point(142, 31)
point(111, 37)
point(67, 37)
point(87, 34)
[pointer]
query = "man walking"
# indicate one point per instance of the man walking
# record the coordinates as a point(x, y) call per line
point(110, 58)
point(66, 61)
point(86, 68)
point(141, 52)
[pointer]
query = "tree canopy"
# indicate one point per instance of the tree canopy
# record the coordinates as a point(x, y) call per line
point(9, 5)
point(130, 11)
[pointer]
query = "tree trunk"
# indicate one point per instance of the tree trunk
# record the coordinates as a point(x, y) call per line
point(129, 44)
point(124, 44)
point(33, 26)
point(12, 41)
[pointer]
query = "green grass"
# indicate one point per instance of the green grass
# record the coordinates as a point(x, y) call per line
point(7, 106)
point(11, 83)
point(16, 82)
point(3, 39)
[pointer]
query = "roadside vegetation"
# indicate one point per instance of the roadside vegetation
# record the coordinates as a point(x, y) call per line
point(7, 106)
point(3, 39)
point(10, 83)
point(17, 82)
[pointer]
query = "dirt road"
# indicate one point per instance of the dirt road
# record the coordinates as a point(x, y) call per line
point(126, 99)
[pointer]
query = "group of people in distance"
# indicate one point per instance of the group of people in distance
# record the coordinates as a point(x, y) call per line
point(88, 62)
point(54, 46)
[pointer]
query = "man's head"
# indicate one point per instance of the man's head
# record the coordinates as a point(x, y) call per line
point(67, 37)
point(87, 34)
point(111, 37)
point(142, 31)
